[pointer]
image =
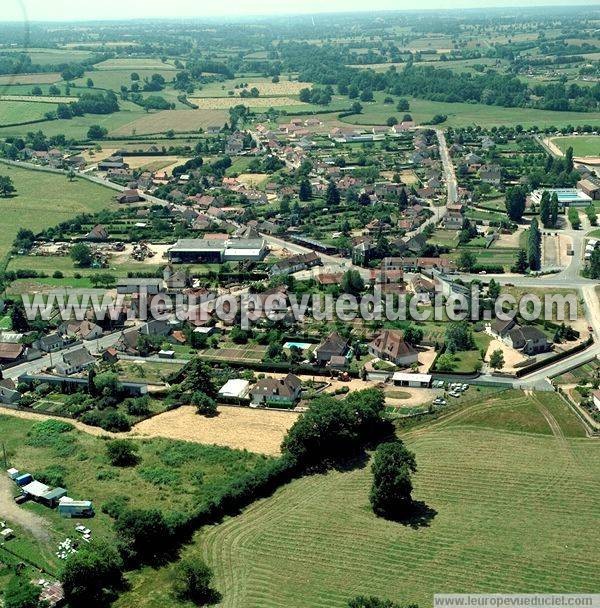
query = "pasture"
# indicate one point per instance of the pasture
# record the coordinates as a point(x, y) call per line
point(512, 481)
point(44, 199)
point(15, 112)
point(466, 114)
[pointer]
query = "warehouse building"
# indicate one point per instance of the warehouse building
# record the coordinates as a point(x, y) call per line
point(190, 251)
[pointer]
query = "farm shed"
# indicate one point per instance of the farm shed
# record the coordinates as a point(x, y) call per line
point(412, 380)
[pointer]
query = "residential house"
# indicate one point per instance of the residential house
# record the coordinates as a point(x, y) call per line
point(528, 339)
point(499, 328)
point(273, 392)
point(9, 395)
point(391, 346)
point(74, 362)
point(50, 343)
point(491, 174)
point(10, 352)
point(97, 233)
point(295, 263)
point(129, 196)
point(333, 346)
point(596, 399)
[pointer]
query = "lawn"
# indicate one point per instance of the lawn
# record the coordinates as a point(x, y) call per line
point(45, 199)
point(500, 482)
point(13, 112)
point(585, 145)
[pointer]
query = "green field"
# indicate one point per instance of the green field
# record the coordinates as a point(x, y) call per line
point(583, 145)
point(465, 114)
point(78, 127)
point(45, 199)
point(14, 112)
point(516, 504)
point(170, 474)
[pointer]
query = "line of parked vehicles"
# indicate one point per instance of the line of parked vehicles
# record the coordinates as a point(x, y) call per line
point(454, 389)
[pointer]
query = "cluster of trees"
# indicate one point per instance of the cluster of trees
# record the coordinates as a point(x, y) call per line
point(549, 209)
point(6, 186)
point(90, 102)
point(333, 430)
point(317, 95)
point(593, 270)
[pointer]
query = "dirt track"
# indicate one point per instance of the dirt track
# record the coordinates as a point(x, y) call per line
point(15, 515)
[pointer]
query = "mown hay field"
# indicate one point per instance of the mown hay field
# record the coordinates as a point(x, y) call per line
point(515, 486)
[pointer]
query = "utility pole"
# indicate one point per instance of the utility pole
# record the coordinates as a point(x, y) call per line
point(4, 456)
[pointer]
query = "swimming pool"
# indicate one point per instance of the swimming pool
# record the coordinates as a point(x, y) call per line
point(298, 345)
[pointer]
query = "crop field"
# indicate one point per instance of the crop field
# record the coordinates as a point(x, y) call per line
point(46, 78)
point(13, 112)
point(224, 103)
point(134, 64)
point(44, 199)
point(38, 99)
point(583, 145)
point(258, 431)
point(264, 86)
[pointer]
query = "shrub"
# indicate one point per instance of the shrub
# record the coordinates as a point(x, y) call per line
point(193, 582)
point(122, 453)
point(53, 475)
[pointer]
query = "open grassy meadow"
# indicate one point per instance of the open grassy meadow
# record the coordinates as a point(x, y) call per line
point(43, 199)
point(170, 475)
point(466, 114)
point(15, 112)
point(514, 484)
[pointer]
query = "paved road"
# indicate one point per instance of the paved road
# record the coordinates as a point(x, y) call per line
point(32, 367)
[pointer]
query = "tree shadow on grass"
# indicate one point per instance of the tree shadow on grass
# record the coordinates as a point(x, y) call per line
point(417, 515)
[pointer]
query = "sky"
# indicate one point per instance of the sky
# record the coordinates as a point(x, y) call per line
point(79, 10)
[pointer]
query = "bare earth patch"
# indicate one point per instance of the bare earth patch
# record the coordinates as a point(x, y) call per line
point(260, 431)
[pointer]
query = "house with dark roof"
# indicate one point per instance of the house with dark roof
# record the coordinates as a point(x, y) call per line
point(333, 346)
point(391, 346)
point(50, 343)
point(528, 339)
point(74, 362)
point(273, 392)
